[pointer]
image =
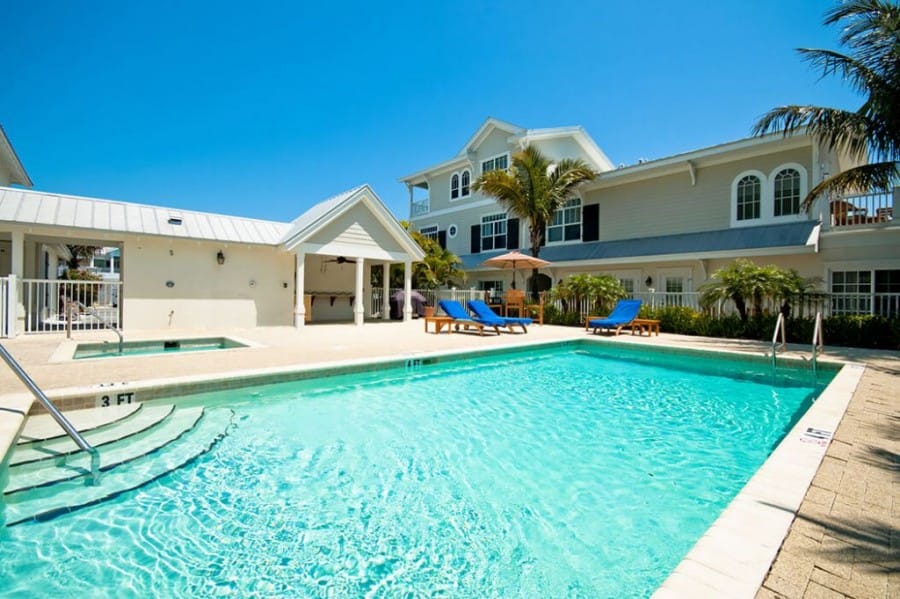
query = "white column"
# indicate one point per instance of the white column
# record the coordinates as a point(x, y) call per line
point(17, 268)
point(386, 295)
point(17, 255)
point(299, 304)
point(359, 304)
point(407, 291)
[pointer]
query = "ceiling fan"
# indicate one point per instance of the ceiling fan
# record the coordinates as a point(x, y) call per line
point(341, 260)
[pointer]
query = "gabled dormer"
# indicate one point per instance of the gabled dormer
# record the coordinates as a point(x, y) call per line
point(447, 186)
point(11, 170)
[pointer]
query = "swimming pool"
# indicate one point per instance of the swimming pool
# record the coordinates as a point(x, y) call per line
point(159, 346)
point(574, 471)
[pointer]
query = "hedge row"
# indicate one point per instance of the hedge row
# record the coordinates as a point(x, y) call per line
point(875, 332)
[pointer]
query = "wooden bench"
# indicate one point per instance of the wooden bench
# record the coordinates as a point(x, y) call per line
point(640, 325)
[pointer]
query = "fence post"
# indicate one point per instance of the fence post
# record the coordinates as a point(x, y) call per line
point(12, 306)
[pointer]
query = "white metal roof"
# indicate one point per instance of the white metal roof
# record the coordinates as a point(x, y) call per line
point(23, 206)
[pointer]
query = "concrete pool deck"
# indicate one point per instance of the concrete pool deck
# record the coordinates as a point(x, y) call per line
point(844, 541)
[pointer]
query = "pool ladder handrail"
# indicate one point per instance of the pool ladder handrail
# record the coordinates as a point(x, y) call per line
point(818, 341)
point(67, 426)
point(779, 327)
point(93, 312)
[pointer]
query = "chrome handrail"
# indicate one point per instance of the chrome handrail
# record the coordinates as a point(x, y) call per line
point(90, 310)
point(57, 415)
point(779, 326)
point(818, 342)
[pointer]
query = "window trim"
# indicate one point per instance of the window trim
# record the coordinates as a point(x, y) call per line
point(563, 226)
point(804, 189)
point(434, 236)
point(458, 175)
point(493, 158)
point(505, 219)
point(763, 185)
point(454, 177)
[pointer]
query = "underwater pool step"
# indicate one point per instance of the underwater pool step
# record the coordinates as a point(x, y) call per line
point(42, 427)
point(46, 502)
point(48, 472)
point(100, 437)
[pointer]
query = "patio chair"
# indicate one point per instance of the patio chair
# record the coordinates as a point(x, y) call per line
point(622, 315)
point(484, 314)
point(461, 318)
point(514, 300)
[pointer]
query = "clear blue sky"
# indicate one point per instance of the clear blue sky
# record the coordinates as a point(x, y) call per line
point(262, 109)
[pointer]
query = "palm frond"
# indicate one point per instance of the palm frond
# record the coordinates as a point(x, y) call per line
point(879, 176)
point(834, 127)
point(860, 77)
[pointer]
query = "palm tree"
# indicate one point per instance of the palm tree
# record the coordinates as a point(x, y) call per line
point(871, 32)
point(534, 189)
point(744, 282)
point(440, 266)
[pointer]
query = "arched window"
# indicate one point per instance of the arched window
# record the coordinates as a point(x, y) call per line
point(454, 186)
point(748, 197)
point(787, 192)
point(466, 177)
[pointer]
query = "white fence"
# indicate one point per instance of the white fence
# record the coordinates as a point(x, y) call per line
point(432, 297)
point(91, 305)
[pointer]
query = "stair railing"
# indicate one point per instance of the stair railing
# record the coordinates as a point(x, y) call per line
point(818, 342)
point(779, 327)
point(56, 414)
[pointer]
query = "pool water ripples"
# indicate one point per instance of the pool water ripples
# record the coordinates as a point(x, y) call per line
point(555, 474)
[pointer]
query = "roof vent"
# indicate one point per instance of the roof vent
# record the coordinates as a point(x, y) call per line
point(175, 219)
point(642, 160)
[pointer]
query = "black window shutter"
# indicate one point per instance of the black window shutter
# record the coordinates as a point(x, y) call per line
point(544, 237)
point(512, 234)
point(476, 239)
point(590, 222)
point(442, 239)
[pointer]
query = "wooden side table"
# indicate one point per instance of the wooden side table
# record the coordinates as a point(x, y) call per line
point(440, 322)
point(645, 324)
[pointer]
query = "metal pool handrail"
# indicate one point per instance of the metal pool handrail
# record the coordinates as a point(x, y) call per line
point(57, 415)
point(93, 312)
point(779, 326)
point(818, 343)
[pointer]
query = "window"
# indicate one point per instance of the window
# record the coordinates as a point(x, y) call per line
point(465, 177)
point(674, 291)
point(454, 186)
point(460, 184)
point(431, 232)
point(566, 223)
point(495, 163)
point(865, 292)
point(628, 286)
point(493, 232)
point(851, 292)
point(787, 192)
point(452, 230)
point(748, 197)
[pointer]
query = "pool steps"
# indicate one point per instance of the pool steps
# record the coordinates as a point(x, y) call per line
point(59, 447)
point(43, 489)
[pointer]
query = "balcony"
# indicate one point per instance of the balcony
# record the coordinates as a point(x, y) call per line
point(863, 209)
point(420, 207)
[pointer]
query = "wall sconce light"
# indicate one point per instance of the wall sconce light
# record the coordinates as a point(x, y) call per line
point(220, 258)
point(649, 281)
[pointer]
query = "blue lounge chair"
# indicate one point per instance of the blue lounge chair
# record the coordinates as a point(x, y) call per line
point(461, 318)
point(622, 315)
point(483, 313)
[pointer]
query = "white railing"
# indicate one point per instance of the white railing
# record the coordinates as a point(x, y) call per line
point(432, 297)
point(46, 302)
point(877, 304)
point(862, 209)
point(420, 207)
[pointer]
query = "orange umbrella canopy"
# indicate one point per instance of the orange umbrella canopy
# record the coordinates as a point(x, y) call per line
point(515, 260)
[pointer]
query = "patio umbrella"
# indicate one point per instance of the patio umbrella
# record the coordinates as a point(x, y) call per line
point(515, 260)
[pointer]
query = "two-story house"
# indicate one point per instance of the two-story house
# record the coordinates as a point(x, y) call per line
point(665, 226)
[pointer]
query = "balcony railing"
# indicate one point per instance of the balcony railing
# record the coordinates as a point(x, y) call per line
point(420, 207)
point(863, 209)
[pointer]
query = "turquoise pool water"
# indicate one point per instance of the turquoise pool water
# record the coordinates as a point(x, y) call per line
point(575, 472)
point(144, 348)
